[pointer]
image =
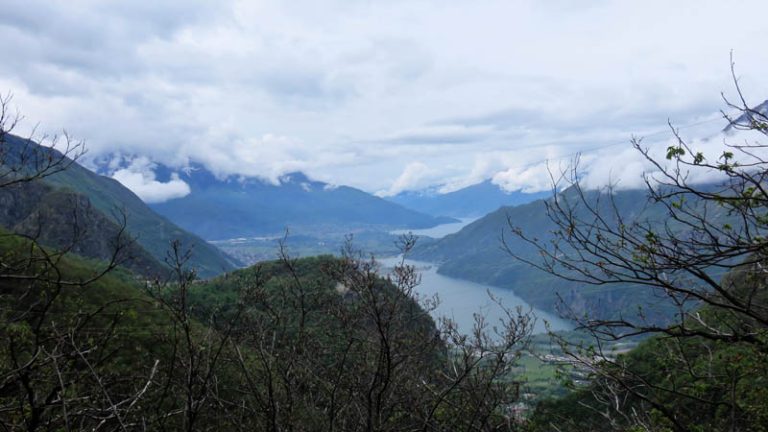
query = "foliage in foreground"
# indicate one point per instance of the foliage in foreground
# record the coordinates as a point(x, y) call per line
point(312, 344)
point(705, 367)
point(702, 384)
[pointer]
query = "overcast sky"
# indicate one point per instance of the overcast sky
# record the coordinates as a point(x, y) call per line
point(383, 95)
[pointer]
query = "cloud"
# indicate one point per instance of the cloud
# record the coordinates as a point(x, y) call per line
point(412, 177)
point(139, 177)
point(355, 92)
point(530, 179)
point(268, 156)
point(628, 168)
point(440, 134)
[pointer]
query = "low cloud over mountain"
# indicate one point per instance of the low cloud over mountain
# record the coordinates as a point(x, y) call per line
point(356, 93)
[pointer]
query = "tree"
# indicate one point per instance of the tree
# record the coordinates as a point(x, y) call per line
point(57, 369)
point(338, 344)
point(704, 256)
point(32, 162)
point(316, 344)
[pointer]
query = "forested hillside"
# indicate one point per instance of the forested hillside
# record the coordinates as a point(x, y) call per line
point(490, 251)
point(481, 252)
point(107, 197)
point(61, 219)
point(317, 343)
point(701, 381)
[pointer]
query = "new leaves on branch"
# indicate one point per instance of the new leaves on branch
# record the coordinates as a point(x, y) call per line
point(700, 250)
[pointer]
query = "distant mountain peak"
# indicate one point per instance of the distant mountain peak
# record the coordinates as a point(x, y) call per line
point(295, 177)
point(471, 201)
point(745, 120)
point(199, 176)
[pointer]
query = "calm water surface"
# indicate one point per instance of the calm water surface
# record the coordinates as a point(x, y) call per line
point(438, 231)
point(461, 299)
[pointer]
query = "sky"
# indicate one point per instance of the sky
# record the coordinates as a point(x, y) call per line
point(387, 95)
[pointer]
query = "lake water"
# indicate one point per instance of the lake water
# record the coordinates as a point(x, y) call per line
point(437, 231)
point(461, 299)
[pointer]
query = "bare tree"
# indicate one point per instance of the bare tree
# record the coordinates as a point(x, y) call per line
point(23, 160)
point(56, 356)
point(698, 248)
point(354, 348)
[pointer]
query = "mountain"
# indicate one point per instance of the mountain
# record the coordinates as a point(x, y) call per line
point(292, 327)
point(66, 220)
point(475, 253)
point(106, 196)
point(471, 201)
point(234, 207)
point(744, 121)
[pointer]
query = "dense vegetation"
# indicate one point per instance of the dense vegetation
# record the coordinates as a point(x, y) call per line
point(151, 231)
point(696, 383)
point(318, 343)
point(334, 343)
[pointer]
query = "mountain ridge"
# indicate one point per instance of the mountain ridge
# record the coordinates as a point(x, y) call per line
point(472, 201)
point(236, 206)
point(477, 253)
point(151, 231)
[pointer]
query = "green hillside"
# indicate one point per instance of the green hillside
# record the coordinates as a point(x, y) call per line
point(152, 231)
point(481, 252)
point(63, 219)
point(691, 382)
point(477, 253)
point(298, 344)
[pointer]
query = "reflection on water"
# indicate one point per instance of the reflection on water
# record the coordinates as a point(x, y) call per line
point(461, 299)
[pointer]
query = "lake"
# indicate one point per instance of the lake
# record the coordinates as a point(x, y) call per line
point(438, 231)
point(461, 299)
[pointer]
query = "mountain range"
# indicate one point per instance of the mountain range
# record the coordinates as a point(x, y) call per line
point(233, 207)
point(480, 252)
point(51, 203)
point(472, 201)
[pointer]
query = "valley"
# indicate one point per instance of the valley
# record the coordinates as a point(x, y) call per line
point(251, 250)
point(462, 269)
point(383, 216)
